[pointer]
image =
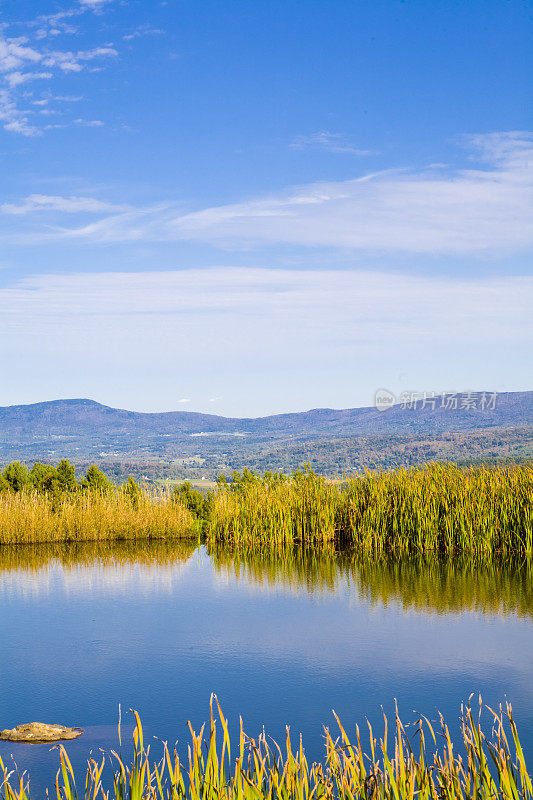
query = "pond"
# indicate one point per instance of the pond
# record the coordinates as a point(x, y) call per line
point(282, 638)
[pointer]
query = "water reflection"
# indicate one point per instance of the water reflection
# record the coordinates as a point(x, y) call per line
point(100, 568)
point(437, 583)
point(430, 583)
point(282, 637)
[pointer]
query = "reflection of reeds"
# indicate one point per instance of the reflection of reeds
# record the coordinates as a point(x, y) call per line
point(289, 566)
point(401, 769)
point(84, 516)
point(156, 552)
point(435, 582)
point(434, 508)
point(448, 584)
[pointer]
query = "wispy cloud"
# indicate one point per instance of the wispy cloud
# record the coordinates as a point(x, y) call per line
point(13, 119)
point(89, 123)
point(68, 61)
point(64, 22)
point(332, 142)
point(353, 309)
point(30, 58)
point(142, 30)
point(483, 209)
point(423, 211)
point(16, 78)
point(94, 3)
point(68, 205)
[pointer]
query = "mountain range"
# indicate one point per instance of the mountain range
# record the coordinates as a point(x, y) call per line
point(87, 430)
point(82, 417)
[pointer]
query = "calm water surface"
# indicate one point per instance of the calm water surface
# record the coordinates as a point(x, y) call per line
point(282, 640)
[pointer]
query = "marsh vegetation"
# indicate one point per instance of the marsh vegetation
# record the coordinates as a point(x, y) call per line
point(394, 767)
point(436, 508)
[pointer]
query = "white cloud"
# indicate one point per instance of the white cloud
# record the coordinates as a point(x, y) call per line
point(93, 3)
point(142, 30)
point(427, 211)
point(310, 311)
point(56, 24)
point(13, 120)
point(14, 53)
point(16, 78)
point(184, 400)
point(332, 142)
point(89, 123)
point(21, 126)
point(20, 57)
point(69, 61)
point(69, 205)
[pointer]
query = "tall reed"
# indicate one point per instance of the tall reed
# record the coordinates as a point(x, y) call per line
point(433, 508)
point(257, 769)
point(436, 508)
point(94, 515)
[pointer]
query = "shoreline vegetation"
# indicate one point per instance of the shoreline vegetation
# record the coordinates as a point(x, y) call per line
point(427, 764)
point(436, 508)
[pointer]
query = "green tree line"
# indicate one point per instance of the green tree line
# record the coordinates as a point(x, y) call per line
point(58, 480)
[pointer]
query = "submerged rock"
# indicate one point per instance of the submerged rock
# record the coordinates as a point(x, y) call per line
point(40, 732)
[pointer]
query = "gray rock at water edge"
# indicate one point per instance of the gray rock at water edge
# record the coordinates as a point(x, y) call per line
point(40, 732)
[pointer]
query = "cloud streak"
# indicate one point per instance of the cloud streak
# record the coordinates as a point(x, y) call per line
point(480, 210)
point(349, 309)
point(67, 205)
point(462, 211)
point(332, 142)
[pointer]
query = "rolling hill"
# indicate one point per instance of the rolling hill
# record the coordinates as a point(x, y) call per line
point(84, 430)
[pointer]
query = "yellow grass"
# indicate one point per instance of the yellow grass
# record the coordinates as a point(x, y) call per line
point(33, 517)
point(428, 765)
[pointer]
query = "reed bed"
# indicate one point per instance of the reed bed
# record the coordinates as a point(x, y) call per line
point(90, 516)
point(303, 507)
point(442, 507)
point(419, 766)
point(436, 508)
point(433, 508)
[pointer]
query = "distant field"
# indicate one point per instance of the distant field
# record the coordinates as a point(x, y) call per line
point(335, 458)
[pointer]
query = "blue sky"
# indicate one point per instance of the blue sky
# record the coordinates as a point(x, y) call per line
point(252, 207)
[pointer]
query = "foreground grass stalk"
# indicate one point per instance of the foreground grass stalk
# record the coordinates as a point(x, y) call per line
point(402, 769)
